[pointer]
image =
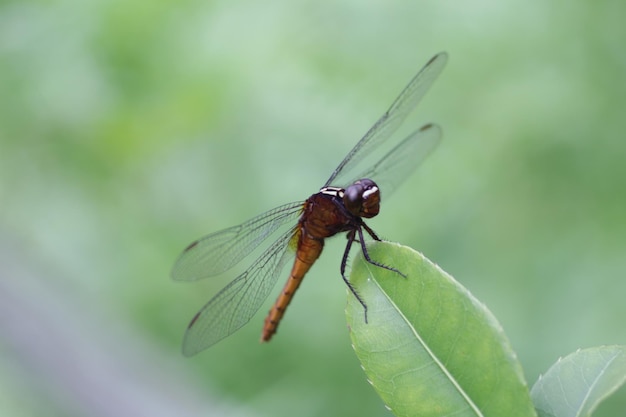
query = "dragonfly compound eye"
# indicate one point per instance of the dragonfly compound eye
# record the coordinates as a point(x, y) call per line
point(362, 198)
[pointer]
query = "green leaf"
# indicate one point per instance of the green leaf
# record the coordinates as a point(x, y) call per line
point(429, 347)
point(576, 384)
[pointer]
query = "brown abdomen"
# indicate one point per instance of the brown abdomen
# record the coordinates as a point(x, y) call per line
point(308, 251)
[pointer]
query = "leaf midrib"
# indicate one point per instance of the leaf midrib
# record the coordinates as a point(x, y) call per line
point(430, 353)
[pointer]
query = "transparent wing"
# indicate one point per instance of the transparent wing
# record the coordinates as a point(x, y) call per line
point(391, 120)
point(235, 305)
point(220, 251)
point(398, 163)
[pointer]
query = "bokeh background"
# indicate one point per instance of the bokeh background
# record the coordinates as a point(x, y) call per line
point(130, 128)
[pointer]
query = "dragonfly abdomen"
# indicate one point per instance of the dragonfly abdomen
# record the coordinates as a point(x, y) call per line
point(309, 249)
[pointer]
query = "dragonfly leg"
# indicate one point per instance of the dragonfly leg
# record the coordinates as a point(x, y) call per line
point(344, 262)
point(370, 232)
point(366, 254)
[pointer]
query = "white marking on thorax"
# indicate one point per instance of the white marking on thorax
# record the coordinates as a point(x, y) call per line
point(333, 191)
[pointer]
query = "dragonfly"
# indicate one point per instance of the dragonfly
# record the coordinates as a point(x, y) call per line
point(341, 205)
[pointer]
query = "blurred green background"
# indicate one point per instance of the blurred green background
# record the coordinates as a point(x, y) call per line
point(130, 128)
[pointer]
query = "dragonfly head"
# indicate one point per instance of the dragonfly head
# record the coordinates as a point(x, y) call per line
point(362, 198)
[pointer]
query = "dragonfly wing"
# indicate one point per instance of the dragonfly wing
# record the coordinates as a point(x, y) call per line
point(401, 161)
point(391, 120)
point(217, 252)
point(235, 305)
